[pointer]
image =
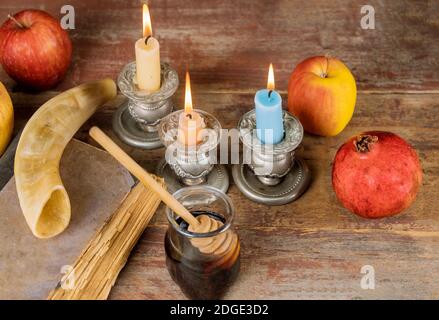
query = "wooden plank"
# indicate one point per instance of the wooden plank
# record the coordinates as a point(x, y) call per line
point(313, 248)
point(228, 45)
point(412, 116)
point(316, 246)
point(285, 263)
point(372, 109)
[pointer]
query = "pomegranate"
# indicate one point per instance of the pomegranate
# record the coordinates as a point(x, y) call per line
point(376, 174)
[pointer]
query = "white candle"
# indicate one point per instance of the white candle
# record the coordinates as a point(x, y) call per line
point(147, 57)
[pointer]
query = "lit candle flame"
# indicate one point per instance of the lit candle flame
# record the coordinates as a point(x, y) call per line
point(188, 95)
point(270, 82)
point(147, 27)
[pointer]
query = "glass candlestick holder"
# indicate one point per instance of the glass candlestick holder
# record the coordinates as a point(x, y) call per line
point(136, 121)
point(271, 174)
point(195, 165)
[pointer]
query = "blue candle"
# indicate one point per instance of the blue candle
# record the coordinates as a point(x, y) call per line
point(269, 116)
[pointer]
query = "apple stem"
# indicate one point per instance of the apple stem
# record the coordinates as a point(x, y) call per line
point(364, 143)
point(16, 21)
point(325, 73)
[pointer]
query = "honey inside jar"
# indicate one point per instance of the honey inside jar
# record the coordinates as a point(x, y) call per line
point(203, 265)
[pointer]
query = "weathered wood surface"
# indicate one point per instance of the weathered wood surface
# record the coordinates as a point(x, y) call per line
point(229, 44)
point(312, 248)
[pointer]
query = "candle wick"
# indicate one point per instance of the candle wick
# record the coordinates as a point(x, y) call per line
point(189, 116)
point(146, 39)
point(269, 93)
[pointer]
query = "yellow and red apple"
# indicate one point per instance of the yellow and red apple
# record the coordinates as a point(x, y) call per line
point(322, 94)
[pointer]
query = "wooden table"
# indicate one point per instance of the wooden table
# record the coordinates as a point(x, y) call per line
point(312, 248)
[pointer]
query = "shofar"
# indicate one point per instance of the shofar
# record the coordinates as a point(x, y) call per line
point(43, 198)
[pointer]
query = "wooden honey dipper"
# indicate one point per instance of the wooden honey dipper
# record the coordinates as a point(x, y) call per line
point(217, 245)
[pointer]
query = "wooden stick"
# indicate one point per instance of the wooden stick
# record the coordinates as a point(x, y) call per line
point(142, 175)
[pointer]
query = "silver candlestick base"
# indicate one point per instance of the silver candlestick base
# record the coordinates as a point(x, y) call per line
point(136, 120)
point(188, 166)
point(271, 174)
point(217, 177)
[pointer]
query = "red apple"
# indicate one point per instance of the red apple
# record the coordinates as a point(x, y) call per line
point(322, 94)
point(34, 50)
point(376, 174)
